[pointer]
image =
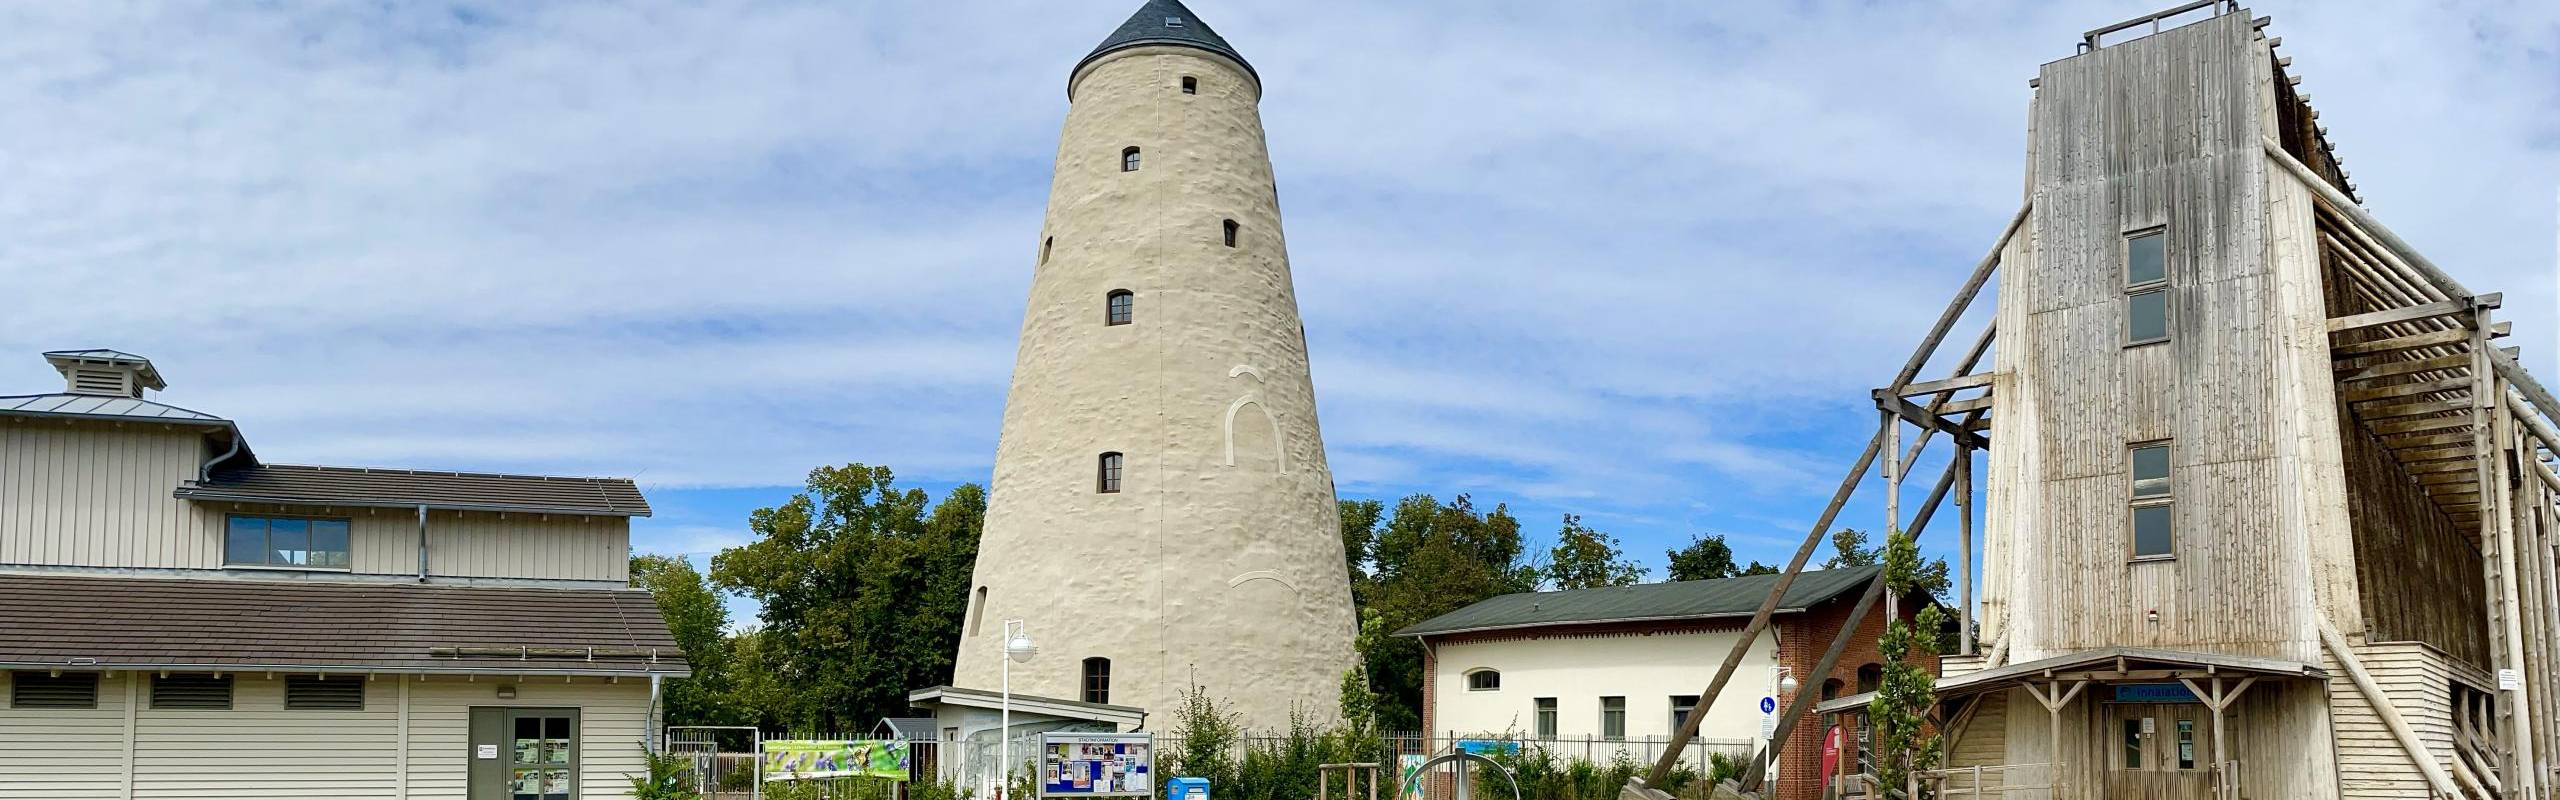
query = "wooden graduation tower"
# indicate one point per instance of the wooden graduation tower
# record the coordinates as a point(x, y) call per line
point(2268, 509)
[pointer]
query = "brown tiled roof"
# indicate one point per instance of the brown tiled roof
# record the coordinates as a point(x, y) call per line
point(359, 487)
point(81, 620)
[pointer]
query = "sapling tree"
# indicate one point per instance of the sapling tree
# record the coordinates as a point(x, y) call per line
point(1899, 714)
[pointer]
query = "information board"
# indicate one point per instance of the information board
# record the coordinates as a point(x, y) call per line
point(1097, 765)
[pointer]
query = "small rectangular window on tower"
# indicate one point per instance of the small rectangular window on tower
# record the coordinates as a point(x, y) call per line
point(1173, 22)
point(1190, 85)
point(2146, 286)
point(2153, 515)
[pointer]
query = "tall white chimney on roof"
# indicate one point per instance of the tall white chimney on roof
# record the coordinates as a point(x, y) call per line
point(106, 373)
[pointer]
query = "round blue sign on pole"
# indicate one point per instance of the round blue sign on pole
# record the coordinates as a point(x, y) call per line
point(1768, 705)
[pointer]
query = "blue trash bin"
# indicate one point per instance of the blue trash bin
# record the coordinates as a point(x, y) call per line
point(1186, 788)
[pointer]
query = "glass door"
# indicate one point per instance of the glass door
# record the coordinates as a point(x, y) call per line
point(542, 759)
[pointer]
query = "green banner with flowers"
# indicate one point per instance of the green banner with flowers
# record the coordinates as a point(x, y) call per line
point(795, 759)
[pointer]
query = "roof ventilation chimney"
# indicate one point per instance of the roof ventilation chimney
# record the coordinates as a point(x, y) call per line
point(105, 373)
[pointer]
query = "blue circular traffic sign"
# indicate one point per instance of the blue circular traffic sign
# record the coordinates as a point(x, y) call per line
point(1768, 705)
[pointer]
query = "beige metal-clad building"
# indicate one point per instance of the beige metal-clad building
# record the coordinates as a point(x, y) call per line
point(180, 619)
point(2269, 510)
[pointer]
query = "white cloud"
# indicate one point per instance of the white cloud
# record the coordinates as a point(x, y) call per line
point(1638, 259)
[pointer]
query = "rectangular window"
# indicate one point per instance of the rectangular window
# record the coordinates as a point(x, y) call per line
point(2152, 512)
point(1613, 718)
point(2186, 744)
point(1681, 704)
point(2132, 744)
point(190, 692)
point(2150, 470)
point(2146, 286)
point(47, 690)
point(2146, 258)
point(298, 542)
point(316, 693)
point(1546, 718)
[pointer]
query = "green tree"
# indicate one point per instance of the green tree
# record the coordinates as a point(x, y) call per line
point(1585, 558)
point(1849, 549)
point(864, 587)
point(1706, 558)
point(1359, 536)
point(1758, 568)
point(699, 621)
point(1427, 559)
point(1904, 744)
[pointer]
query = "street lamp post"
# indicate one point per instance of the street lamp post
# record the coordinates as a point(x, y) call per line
point(1782, 682)
point(1017, 647)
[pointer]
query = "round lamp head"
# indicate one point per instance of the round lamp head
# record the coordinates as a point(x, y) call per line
point(1787, 683)
point(1020, 648)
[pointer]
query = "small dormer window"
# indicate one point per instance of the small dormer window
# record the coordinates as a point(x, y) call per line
point(1173, 22)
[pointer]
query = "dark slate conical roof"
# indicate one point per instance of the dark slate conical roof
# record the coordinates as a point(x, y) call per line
point(1165, 22)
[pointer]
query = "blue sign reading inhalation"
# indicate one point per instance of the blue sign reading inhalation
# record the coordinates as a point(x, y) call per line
point(2154, 693)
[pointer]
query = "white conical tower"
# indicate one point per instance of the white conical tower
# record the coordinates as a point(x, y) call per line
point(1163, 336)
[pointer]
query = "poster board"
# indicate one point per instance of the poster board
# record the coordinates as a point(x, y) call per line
point(1097, 765)
point(801, 759)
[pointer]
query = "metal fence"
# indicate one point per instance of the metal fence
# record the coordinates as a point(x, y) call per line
point(1602, 750)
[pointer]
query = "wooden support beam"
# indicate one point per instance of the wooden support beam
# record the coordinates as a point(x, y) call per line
point(1769, 605)
point(2436, 440)
point(1921, 417)
point(2382, 707)
point(2373, 412)
point(2365, 223)
point(2404, 426)
point(2396, 315)
point(1960, 382)
point(2434, 339)
point(1946, 321)
point(2451, 363)
point(2401, 390)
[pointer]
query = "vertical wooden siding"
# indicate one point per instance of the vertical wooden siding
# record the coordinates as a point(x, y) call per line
point(258, 749)
point(2158, 131)
point(97, 495)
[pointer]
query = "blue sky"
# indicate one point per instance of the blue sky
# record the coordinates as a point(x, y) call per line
point(1638, 261)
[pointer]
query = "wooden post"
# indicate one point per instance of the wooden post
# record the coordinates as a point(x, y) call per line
point(2054, 699)
point(2497, 530)
point(1892, 499)
point(1768, 606)
point(1964, 549)
point(1804, 700)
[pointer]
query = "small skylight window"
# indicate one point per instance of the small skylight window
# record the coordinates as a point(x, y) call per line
point(1173, 22)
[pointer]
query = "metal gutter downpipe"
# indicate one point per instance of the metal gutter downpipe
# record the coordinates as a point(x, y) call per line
point(204, 471)
point(422, 543)
point(657, 715)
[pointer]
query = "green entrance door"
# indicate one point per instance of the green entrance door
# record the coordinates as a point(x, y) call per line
point(524, 754)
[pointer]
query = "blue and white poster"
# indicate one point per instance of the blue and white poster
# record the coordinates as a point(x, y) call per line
point(1097, 765)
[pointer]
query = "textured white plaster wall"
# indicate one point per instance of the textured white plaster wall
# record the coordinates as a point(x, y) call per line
point(1647, 670)
point(1227, 574)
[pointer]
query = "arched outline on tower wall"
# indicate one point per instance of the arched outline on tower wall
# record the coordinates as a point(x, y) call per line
point(1252, 397)
point(1260, 575)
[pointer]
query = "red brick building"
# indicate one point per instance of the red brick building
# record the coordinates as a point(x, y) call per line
point(1609, 672)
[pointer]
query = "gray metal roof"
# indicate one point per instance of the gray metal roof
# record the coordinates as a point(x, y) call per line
point(361, 487)
point(1676, 600)
point(150, 374)
point(1998, 677)
point(91, 405)
point(113, 622)
point(1164, 22)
